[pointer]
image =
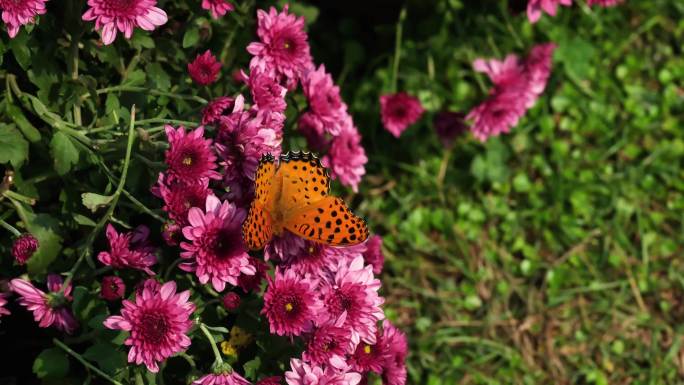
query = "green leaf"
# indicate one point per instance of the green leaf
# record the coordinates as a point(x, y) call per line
point(13, 146)
point(84, 221)
point(218, 329)
point(20, 49)
point(251, 368)
point(44, 228)
point(107, 356)
point(29, 131)
point(64, 153)
point(191, 37)
point(95, 201)
point(159, 77)
point(51, 363)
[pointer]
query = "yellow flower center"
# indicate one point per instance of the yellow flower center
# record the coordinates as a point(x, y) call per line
point(187, 161)
point(286, 45)
point(288, 307)
point(367, 349)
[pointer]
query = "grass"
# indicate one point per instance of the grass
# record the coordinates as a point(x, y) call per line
point(553, 254)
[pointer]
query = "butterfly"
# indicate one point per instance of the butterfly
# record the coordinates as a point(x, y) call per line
point(294, 196)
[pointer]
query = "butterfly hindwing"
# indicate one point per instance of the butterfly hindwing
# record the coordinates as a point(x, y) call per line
point(305, 180)
point(328, 221)
point(257, 228)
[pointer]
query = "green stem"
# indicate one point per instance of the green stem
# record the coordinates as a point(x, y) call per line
point(148, 121)
point(217, 355)
point(74, 74)
point(124, 88)
point(397, 48)
point(85, 363)
point(9, 228)
point(115, 199)
point(21, 198)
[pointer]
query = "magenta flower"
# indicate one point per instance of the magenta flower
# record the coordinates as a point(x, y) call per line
point(112, 288)
point(222, 379)
point(129, 250)
point(190, 157)
point(267, 94)
point(498, 114)
point(399, 111)
point(321, 260)
point(216, 253)
point(346, 158)
point(538, 70)
point(214, 109)
point(283, 49)
point(284, 247)
point(327, 110)
point(204, 70)
point(604, 3)
point(230, 301)
point(48, 309)
point(158, 321)
point(316, 138)
point(218, 8)
point(373, 254)
point(18, 13)
point(448, 126)
point(370, 357)
point(273, 380)
point(303, 374)
point(396, 347)
point(3, 302)
point(535, 8)
point(252, 282)
point(24, 247)
point(291, 303)
point(355, 291)
point(179, 197)
point(328, 344)
point(124, 16)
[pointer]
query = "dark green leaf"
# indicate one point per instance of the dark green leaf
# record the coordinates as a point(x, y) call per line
point(64, 153)
point(191, 37)
point(13, 146)
point(251, 368)
point(51, 363)
point(45, 229)
point(17, 115)
point(107, 356)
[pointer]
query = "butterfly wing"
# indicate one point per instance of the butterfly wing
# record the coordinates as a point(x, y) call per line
point(257, 228)
point(304, 180)
point(328, 221)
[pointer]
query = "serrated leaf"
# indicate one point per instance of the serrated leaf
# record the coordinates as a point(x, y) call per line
point(191, 37)
point(44, 228)
point(156, 73)
point(20, 49)
point(13, 146)
point(17, 115)
point(64, 153)
point(95, 201)
point(51, 363)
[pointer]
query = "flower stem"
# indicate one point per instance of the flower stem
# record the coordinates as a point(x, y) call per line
point(21, 198)
point(74, 74)
point(124, 88)
point(397, 48)
point(10, 228)
point(217, 355)
point(85, 363)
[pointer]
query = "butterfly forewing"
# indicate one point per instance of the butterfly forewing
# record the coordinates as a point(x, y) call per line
point(328, 221)
point(257, 228)
point(304, 179)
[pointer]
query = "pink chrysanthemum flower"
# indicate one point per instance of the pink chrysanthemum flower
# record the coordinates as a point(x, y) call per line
point(190, 157)
point(346, 158)
point(158, 321)
point(218, 8)
point(273, 380)
point(48, 309)
point(396, 346)
point(604, 3)
point(283, 49)
point(3, 302)
point(222, 379)
point(302, 373)
point(214, 109)
point(24, 247)
point(231, 301)
point(17, 13)
point(321, 260)
point(355, 291)
point(267, 94)
point(373, 254)
point(535, 8)
point(316, 138)
point(399, 111)
point(217, 253)
point(497, 115)
point(179, 197)
point(284, 247)
point(448, 126)
point(328, 344)
point(112, 288)
point(204, 70)
point(129, 250)
point(370, 357)
point(290, 303)
point(252, 282)
point(124, 16)
point(538, 70)
point(327, 110)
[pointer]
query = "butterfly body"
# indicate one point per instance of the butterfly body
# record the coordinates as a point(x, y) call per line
point(294, 196)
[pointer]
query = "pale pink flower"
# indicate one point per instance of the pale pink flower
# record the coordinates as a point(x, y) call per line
point(124, 16)
point(218, 8)
point(398, 111)
point(535, 8)
point(17, 13)
point(48, 309)
point(222, 379)
point(158, 321)
point(327, 111)
point(396, 348)
point(302, 373)
point(129, 250)
point(216, 253)
point(329, 343)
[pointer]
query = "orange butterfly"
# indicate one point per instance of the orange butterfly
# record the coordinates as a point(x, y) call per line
point(294, 196)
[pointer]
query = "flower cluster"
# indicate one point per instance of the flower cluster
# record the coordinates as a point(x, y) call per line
point(536, 7)
point(517, 86)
